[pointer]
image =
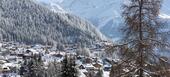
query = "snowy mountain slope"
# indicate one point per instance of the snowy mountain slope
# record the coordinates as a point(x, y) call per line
point(53, 6)
point(28, 22)
point(105, 14)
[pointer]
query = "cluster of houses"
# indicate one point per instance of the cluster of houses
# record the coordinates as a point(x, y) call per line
point(13, 54)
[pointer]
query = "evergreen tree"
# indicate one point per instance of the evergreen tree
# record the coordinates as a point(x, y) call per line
point(69, 67)
point(73, 68)
point(33, 67)
point(54, 69)
point(23, 68)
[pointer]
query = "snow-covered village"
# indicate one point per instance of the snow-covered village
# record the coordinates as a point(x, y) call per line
point(84, 38)
point(89, 61)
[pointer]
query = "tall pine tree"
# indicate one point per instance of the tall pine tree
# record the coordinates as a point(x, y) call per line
point(33, 67)
point(69, 67)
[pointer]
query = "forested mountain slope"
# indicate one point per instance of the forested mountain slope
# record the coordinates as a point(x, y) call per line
point(28, 22)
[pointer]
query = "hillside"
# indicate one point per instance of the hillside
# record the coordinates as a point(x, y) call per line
point(104, 14)
point(28, 22)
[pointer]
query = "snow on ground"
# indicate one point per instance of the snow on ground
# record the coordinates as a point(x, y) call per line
point(106, 74)
point(81, 74)
point(9, 75)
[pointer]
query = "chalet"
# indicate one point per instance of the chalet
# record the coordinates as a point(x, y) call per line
point(107, 67)
point(2, 62)
point(89, 67)
point(33, 51)
point(58, 55)
point(2, 58)
point(20, 55)
point(11, 58)
point(5, 69)
point(81, 67)
point(12, 49)
point(80, 57)
point(97, 65)
point(87, 60)
point(28, 51)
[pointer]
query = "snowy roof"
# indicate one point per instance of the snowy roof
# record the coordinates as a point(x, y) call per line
point(2, 57)
point(78, 62)
point(107, 65)
point(10, 65)
point(83, 70)
point(3, 61)
point(106, 74)
point(1, 44)
point(88, 66)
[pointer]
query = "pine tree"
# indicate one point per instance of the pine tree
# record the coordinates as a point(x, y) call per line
point(73, 68)
point(54, 69)
point(69, 67)
point(37, 68)
point(23, 68)
point(33, 67)
point(142, 37)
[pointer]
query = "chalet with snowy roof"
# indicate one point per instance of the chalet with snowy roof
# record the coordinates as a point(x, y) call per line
point(81, 67)
point(87, 61)
point(3, 62)
point(80, 57)
point(28, 51)
point(58, 55)
point(89, 67)
point(4, 69)
point(97, 65)
point(107, 67)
